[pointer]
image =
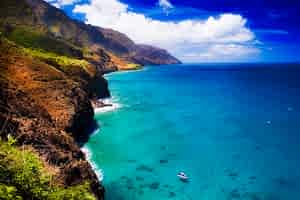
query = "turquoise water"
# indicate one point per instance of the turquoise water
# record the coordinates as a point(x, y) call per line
point(235, 132)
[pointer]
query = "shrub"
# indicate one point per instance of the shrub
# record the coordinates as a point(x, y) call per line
point(23, 176)
point(9, 193)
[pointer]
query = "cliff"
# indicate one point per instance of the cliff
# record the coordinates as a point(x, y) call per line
point(51, 68)
point(136, 53)
point(47, 109)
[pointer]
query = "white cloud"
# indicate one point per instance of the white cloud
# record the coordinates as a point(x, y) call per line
point(223, 53)
point(60, 3)
point(165, 5)
point(226, 33)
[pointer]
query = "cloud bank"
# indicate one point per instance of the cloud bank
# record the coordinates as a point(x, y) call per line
point(222, 38)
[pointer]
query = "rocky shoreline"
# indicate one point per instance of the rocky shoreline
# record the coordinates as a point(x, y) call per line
point(98, 103)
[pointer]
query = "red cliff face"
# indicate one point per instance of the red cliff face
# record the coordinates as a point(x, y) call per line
point(49, 110)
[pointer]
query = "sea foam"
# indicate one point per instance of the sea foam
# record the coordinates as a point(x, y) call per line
point(88, 153)
point(112, 105)
point(99, 172)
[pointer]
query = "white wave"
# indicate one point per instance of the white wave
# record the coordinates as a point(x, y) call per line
point(96, 131)
point(112, 105)
point(108, 75)
point(99, 172)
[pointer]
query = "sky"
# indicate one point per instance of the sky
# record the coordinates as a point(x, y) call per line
point(201, 30)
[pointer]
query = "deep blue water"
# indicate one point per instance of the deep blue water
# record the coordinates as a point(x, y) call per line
point(234, 129)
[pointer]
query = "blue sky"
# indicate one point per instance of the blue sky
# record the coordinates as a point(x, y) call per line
point(201, 30)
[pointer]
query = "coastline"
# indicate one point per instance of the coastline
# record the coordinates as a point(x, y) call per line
point(107, 75)
point(105, 105)
point(99, 106)
point(88, 155)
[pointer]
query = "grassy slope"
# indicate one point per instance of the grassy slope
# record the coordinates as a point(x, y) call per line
point(30, 38)
point(24, 176)
point(57, 52)
point(64, 56)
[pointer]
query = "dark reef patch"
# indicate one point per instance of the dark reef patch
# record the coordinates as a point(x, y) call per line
point(142, 185)
point(154, 185)
point(258, 148)
point(163, 161)
point(172, 194)
point(234, 194)
point(124, 177)
point(285, 182)
point(140, 192)
point(139, 178)
point(131, 161)
point(130, 187)
point(233, 175)
point(254, 196)
point(163, 147)
point(144, 168)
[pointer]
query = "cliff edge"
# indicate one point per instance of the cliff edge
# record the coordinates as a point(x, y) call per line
point(51, 67)
point(48, 109)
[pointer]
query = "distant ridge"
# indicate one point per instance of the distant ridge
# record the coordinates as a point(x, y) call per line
point(44, 17)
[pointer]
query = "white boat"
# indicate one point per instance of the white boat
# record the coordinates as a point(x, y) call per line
point(182, 176)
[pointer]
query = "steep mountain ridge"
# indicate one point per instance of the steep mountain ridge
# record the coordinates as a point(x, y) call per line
point(54, 22)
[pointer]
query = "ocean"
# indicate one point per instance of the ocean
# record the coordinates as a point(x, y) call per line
point(234, 129)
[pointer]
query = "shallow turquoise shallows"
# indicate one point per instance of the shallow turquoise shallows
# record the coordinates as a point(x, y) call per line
point(233, 129)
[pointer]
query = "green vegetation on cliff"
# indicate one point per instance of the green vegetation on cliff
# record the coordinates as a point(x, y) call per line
point(63, 63)
point(33, 38)
point(24, 176)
